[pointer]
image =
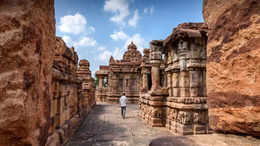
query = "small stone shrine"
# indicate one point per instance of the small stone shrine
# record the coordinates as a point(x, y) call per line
point(121, 76)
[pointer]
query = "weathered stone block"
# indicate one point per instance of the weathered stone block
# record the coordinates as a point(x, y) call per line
point(184, 80)
point(184, 92)
point(175, 80)
point(194, 92)
point(195, 79)
point(176, 92)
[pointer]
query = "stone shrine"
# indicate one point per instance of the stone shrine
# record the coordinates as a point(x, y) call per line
point(180, 103)
point(121, 76)
point(87, 89)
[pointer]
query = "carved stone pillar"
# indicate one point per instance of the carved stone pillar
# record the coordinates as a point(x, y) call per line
point(155, 61)
point(195, 83)
point(184, 73)
point(100, 82)
point(175, 84)
point(169, 84)
point(145, 82)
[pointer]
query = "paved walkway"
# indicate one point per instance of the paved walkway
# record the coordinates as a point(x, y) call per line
point(105, 127)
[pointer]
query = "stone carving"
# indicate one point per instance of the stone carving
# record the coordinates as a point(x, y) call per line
point(132, 54)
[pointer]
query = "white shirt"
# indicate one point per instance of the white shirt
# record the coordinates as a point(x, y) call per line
point(123, 101)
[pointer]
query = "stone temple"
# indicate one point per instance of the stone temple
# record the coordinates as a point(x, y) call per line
point(121, 76)
point(168, 81)
point(203, 77)
point(179, 102)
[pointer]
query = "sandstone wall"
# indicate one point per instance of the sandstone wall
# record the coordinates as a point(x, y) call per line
point(27, 40)
point(64, 111)
point(233, 65)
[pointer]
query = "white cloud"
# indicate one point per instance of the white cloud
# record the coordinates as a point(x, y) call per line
point(118, 53)
point(120, 35)
point(86, 42)
point(104, 56)
point(74, 24)
point(145, 10)
point(101, 48)
point(152, 9)
point(133, 21)
point(68, 40)
point(91, 29)
point(137, 40)
point(149, 10)
point(119, 8)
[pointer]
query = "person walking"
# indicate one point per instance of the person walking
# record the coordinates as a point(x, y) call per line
point(123, 101)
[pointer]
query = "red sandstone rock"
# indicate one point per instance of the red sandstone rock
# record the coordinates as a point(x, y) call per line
point(27, 40)
point(233, 68)
point(39, 88)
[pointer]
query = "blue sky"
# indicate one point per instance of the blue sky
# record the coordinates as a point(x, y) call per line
point(101, 28)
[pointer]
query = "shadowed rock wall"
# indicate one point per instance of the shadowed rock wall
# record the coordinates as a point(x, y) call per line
point(40, 92)
point(27, 41)
point(233, 65)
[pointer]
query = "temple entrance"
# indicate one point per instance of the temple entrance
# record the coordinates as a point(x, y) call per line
point(149, 81)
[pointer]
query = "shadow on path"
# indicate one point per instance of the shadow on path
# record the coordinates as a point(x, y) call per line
point(172, 141)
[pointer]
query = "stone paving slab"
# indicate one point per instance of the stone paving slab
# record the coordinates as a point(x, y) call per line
point(105, 127)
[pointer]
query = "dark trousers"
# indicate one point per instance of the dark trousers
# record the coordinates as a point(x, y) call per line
point(123, 111)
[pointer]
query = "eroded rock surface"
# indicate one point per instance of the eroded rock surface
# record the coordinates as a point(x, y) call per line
point(40, 92)
point(233, 67)
point(27, 41)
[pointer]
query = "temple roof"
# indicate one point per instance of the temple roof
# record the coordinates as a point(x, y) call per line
point(132, 54)
point(132, 46)
point(185, 31)
point(103, 70)
point(83, 62)
point(62, 49)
